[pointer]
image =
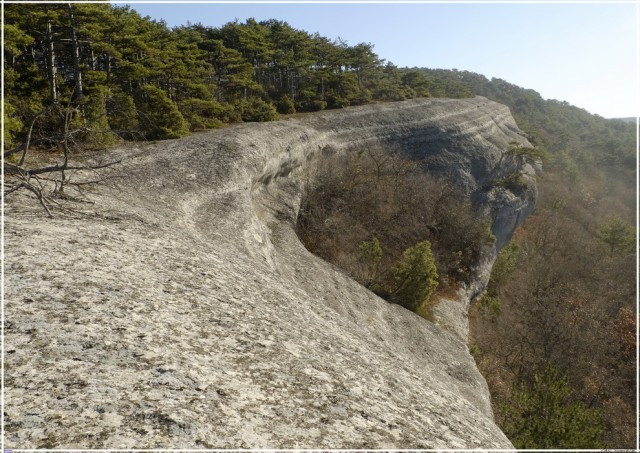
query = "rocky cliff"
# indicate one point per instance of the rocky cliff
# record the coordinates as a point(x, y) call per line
point(185, 313)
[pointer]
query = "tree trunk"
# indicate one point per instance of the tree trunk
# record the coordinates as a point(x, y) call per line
point(75, 47)
point(108, 69)
point(109, 64)
point(51, 62)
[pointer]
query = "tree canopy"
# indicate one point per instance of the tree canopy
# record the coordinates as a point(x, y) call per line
point(119, 70)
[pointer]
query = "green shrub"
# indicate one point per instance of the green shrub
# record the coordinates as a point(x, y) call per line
point(387, 90)
point(286, 105)
point(337, 102)
point(203, 113)
point(317, 105)
point(490, 306)
point(416, 276)
point(12, 125)
point(617, 235)
point(257, 110)
point(92, 121)
point(362, 97)
point(122, 115)
point(567, 165)
point(159, 115)
point(544, 415)
point(515, 182)
point(370, 255)
point(505, 263)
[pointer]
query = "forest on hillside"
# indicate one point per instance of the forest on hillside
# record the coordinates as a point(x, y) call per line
point(131, 77)
point(555, 333)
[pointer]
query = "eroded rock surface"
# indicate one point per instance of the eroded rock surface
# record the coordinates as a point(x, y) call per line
point(186, 313)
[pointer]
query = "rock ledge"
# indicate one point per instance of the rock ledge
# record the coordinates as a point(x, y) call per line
point(188, 315)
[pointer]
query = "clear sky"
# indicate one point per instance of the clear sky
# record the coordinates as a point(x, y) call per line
point(582, 53)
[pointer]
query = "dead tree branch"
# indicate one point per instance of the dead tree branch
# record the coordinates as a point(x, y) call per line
point(66, 138)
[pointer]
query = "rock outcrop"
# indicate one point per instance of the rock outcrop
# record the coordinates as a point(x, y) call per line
point(186, 314)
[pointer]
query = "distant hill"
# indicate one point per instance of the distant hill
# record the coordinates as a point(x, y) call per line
point(560, 127)
point(631, 119)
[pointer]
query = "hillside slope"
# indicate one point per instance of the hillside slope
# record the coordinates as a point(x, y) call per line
point(186, 314)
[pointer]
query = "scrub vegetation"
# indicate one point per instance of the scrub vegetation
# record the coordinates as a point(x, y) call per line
point(397, 230)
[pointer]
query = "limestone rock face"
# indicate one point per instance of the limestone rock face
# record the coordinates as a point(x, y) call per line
point(186, 314)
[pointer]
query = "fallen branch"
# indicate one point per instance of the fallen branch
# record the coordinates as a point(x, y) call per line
point(22, 178)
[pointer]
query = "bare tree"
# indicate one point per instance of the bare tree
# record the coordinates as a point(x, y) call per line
point(54, 128)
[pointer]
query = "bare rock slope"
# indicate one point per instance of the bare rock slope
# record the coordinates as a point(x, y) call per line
point(186, 313)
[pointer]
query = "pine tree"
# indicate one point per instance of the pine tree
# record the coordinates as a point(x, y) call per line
point(416, 276)
point(159, 115)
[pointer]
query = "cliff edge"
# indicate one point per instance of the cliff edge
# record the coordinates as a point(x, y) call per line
point(185, 313)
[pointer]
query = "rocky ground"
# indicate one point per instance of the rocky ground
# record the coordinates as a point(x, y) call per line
point(181, 311)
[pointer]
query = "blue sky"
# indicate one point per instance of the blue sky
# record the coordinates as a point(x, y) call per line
point(586, 54)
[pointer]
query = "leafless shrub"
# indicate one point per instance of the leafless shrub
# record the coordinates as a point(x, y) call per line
point(375, 193)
